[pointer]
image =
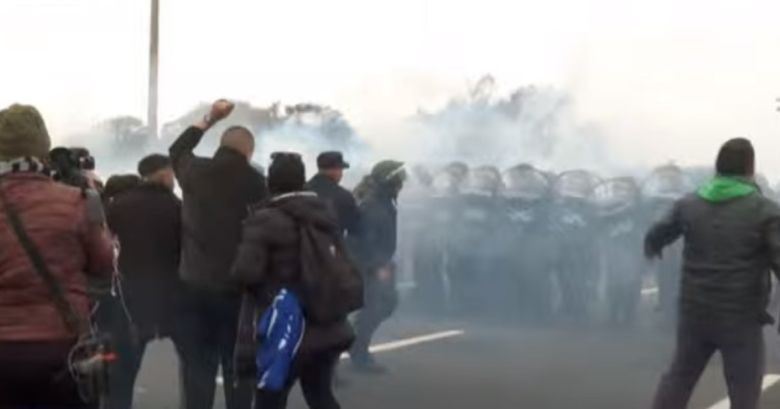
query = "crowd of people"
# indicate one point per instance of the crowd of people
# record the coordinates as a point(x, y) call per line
point(269, 278)
point(200, 270)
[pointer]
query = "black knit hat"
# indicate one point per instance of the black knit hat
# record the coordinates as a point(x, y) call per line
point(117, 184)
point(152, 164)
point(736, 158)
point(286, 174)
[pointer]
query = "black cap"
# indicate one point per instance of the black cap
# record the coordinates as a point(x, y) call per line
point(153, 163)
point(331, 160)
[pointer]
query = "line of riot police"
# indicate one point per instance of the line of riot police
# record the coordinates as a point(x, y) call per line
point(536, 247)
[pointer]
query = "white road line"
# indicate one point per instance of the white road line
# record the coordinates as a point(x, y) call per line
point(646, 292)
point(404, 343)
point(769, 381)
point(400, 344)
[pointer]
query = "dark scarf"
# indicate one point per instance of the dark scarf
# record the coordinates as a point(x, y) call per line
point(23, 165)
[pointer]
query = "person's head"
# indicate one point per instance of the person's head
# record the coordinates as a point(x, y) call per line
point(286, 174)
point(117, 184)
point(390, 176)
point(240, 139)
point(157, 168)
point(23, 133)
point(332, 165)
point(736, 158)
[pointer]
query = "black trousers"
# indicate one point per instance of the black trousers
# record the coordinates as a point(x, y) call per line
point(315, 373)
point(381, 301)
point(125, 370)
point(742, 349)
point(209, 329)
point(34, 375)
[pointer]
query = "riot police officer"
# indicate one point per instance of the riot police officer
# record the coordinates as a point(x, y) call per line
point(527, 254)
point(662, 188)
point(479, 283)
point(421, 249)
point(620, 239)
point(576, 264)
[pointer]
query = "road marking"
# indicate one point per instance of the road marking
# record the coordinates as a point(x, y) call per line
point(405, 343)
point(649, 291)
point(769, 381)
point(400, 344)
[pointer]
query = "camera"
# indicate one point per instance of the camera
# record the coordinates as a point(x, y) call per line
point(71, 165)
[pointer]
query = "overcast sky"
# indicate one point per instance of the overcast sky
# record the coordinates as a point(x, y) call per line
point(666, 79)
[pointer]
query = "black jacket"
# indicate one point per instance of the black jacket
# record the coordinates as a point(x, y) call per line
point(340, 201)
point(730, 248)
point(147, 221)
point(218, 193)
point(377, 244)
point(269, 259)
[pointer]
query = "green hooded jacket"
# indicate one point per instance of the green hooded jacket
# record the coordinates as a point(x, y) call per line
point(724, 188)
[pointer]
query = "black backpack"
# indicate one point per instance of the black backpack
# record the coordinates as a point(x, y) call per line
point(332, 287)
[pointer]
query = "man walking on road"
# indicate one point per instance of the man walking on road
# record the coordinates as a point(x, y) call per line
point(217, 195)
point(732, 241)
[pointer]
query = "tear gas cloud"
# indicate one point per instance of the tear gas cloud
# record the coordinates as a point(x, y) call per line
point(650, 82)
point(535, 125)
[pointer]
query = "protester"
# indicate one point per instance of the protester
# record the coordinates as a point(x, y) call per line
point(326, 185)
point(217, 193)
point(147, 221)
point(269, 260)
point(118, 184)
point(732, 241)
point(37, 332)
point(378, 195)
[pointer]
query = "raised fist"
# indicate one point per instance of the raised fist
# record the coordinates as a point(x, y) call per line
point(220, 110)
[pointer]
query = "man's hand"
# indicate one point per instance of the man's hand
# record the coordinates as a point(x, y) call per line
point(386, 273)
point(220, 110)
point(652, 254)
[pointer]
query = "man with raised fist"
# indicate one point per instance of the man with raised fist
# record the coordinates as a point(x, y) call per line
point(217, 193)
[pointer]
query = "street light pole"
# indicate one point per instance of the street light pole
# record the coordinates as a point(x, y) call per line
point(154, 48)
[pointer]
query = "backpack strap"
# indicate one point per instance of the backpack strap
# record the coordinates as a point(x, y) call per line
point(72, 321)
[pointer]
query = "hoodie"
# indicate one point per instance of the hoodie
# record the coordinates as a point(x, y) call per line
point(724, 188)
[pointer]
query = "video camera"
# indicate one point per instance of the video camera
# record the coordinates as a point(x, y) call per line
point(71, 165)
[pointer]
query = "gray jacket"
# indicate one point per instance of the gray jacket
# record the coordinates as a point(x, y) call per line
point(730, 248)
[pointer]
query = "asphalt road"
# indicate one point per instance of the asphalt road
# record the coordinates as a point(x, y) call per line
point(498, 367)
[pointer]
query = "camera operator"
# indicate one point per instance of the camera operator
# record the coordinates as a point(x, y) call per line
point(75, 167)
point(51, 241)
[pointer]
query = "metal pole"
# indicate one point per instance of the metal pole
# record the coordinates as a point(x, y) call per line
point(154, 48)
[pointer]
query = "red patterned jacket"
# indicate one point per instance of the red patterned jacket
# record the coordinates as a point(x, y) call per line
point(56, 219)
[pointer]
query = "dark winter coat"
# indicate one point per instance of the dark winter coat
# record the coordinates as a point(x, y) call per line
point(269, 259)
point(340, 201)
point(730, 247)
point(147, 221)
point(218, 193)
point(377, 244)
